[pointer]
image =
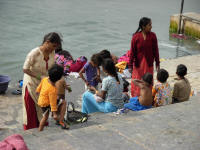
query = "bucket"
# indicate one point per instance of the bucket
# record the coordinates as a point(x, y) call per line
point(4, 81)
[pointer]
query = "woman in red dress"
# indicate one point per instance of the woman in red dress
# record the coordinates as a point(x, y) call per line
point(144, 51)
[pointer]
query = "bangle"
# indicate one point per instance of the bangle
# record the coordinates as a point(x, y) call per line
point(38, 77)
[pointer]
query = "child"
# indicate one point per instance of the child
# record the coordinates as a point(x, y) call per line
point(162, 92)
point(144, 101)
point(92, 72)
point(48, 97)
point(182, 87)
point(109, 99)
point(61, 86)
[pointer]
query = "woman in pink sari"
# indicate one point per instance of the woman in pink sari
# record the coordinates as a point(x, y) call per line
point(144, 51)
point(36, 66)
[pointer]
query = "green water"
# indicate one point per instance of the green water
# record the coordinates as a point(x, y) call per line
point(87, 26)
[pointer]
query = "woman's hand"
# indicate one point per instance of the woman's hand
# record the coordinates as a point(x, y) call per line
point(157, 68)
point(98, 99)
point(92, 88)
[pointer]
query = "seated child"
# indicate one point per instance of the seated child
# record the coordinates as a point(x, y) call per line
point(161, 91)
point(182, 87)
point(48, 97)
point(92, 72)
point(144, 101)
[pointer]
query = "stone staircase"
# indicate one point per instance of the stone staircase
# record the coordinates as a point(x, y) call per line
point(170, 127)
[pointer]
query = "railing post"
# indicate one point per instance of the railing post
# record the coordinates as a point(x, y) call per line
point(180, 18)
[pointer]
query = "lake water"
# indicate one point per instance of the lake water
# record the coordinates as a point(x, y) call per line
point(87, 26)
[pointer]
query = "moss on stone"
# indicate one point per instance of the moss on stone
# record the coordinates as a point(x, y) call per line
point(192, 32)
point(173, 28)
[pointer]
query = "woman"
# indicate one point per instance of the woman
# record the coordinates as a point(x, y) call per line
point(36, 66)
point(110, 98)
point(143, 53)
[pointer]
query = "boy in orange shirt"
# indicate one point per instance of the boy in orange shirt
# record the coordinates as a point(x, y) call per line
point(48, 97)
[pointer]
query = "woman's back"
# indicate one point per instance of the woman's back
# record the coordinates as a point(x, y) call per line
point(114, 90)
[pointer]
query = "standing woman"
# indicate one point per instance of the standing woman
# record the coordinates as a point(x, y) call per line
point(144, 51)
point(36, 66)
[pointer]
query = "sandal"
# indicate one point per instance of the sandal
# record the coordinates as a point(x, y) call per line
point(17, 92)
point(57, 122)
point(64, 125)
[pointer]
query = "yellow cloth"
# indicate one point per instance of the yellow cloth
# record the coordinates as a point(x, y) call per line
point(121, 66)
point(48, 94)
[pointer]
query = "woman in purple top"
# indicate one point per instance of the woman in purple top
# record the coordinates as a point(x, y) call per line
point(92, 72)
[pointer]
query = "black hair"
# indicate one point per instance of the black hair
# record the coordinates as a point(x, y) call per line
point(125, 85)
point(55, 73)
point(59, 48)
point(181, 70)
point(109, 67)
point(53, 37)
point(143, 22)
point(103, 55)
point(162, 75)
point(65, 53)
point(148, 77)
point(95, 59)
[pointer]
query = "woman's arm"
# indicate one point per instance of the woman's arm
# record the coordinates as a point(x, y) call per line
point(32, 74)
point(101, 94)
point(133, 53)
point(130, 65)
point(156, 51)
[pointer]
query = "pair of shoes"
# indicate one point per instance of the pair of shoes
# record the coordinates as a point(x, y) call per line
point(64, 125)
point(17, 92)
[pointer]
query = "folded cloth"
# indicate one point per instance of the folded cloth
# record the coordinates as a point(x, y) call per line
point(135, 105)
point(15, 141)
point(121, 66)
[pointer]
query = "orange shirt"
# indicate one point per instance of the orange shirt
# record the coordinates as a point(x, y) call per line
point(48, 94)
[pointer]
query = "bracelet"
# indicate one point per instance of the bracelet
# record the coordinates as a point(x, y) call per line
point(38, 77)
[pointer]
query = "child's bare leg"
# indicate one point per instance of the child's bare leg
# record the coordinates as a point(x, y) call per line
point(43, 121)
point(62, 109)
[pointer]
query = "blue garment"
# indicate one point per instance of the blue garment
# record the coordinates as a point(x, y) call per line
point(135, 105)
point(89, 105)
point(91, 73)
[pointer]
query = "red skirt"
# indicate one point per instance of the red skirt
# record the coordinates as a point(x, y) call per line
point(137, 74)
point(32, 120)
